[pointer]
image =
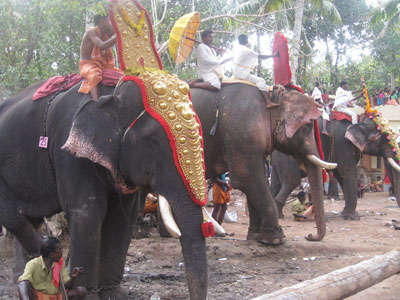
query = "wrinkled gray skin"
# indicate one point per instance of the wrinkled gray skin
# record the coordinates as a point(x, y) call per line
point(240, 147)
point(347, 150)
point(99, 215)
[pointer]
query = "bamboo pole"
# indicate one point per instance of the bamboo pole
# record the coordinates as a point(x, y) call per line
point(342, 283)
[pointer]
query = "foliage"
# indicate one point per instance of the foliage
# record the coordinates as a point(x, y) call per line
point(41, 38)
point(389, 15)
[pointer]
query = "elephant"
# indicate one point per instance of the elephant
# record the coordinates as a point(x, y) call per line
point(89, 170)
point(241, 145)
point(348, 143)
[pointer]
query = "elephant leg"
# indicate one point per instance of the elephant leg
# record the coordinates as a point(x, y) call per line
point(28, 240)
point(85, 217)
point(31, 239)
point(276, 186)
point(254, 222)
point(348, 182)
point(249, 177)
point(121, 214)
point(284, 193)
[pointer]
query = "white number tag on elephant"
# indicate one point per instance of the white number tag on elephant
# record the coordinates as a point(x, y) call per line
point(43, 141)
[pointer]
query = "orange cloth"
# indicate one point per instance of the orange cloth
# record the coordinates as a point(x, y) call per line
point(219, 195)
point(41, 296)
point(92, 69)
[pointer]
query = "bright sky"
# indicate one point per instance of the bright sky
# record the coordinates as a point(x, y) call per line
point(266, 45)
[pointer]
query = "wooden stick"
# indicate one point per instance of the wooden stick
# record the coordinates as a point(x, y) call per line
point(198, 42)
point(342, 283)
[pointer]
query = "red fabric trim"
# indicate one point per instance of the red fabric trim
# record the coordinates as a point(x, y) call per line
point(171, 138)
point(318, 139)
point(292, 86)
point(119, 39)
point(337, 115)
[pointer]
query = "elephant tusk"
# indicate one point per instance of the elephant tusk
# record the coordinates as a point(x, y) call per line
point(168, 218)
point(217, 228)
point(320, 163)
point(393, 164)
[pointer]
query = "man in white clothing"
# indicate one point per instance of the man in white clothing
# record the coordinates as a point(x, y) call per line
point(243, 63)
point(343, 98)
point(209, 66)
point(316, 94)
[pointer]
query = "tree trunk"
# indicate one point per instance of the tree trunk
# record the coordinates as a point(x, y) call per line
point(298, 20)
point(259, 51)
point(342, 283)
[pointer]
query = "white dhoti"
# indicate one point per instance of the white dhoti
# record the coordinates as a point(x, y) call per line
point(347, 111)
point(258, 81)
point(212, 78)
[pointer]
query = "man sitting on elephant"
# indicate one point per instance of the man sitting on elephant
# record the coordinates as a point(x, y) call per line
point(243, 63)
point(209, 66)
point(41, 279)
point(96, 55)
point(343, 98)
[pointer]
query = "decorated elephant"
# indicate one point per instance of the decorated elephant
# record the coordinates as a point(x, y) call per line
point(246, 134)
point(98, 153)
point(347, 142)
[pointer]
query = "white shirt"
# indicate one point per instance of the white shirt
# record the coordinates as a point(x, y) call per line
point(342, 97)
point(244, 60)
point(207, 61)
point(316, 94)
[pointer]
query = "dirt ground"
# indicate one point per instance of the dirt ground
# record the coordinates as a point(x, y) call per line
point(240, 269)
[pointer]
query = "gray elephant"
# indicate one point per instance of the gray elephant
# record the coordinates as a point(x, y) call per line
point(348, 142)
point(246, 134)
point(93, 161)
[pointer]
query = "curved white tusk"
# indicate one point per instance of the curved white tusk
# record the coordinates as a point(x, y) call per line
point(168, 218)
point(217, 228)
point(320, 163)
point(393, 164)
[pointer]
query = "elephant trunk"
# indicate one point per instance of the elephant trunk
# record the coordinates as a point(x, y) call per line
point(315, 180)
point(396, 186)
point(189, 217)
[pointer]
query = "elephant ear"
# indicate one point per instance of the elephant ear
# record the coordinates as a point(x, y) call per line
point(356, 135)
point(299, 111)
point(95, 133)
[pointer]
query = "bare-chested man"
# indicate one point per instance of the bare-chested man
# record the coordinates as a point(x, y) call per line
point(96, 55)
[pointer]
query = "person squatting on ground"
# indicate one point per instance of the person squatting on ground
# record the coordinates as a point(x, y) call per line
point(343, 98)
point(302, 211)
point(209, 66)
point(244, 61)
point(96, 55)
point(41, 277)
point(221, 197)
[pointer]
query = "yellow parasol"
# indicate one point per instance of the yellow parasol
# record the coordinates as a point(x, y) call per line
point(181, 38)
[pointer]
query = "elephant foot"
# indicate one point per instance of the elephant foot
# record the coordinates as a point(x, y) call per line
point(272, 236)
point(353, 215)
point(253, 234)
point(116, 293)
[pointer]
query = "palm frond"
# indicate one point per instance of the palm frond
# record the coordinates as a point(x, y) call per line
point(392, 24)
point(327, 8)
